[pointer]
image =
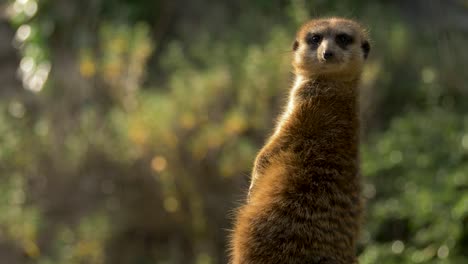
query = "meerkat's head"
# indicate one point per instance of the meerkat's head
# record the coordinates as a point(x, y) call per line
point(330, 47)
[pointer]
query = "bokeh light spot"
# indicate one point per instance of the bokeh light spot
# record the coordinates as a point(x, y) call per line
point(398, 247)
point(23, 33)
point(30, 8)
point(158, 163)
point(443, 252)
point(16, 109)
point(171, 204)
point(465, 141)
point(27, 65)
point(428, 75)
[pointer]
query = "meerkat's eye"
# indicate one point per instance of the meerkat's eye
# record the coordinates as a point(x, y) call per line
point(344, 40)
point(313, 39)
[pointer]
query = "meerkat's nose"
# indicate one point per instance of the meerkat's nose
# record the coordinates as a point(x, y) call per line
point(328, 55)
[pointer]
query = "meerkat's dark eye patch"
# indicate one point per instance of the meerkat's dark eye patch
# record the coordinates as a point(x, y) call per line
point(343, 40)
point(365, 48)
point(313, 39)
point(295, 45)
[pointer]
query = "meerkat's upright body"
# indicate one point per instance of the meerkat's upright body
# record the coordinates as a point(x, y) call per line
point(304, 201)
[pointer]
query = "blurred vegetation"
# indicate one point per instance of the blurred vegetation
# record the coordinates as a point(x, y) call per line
point(130, 135)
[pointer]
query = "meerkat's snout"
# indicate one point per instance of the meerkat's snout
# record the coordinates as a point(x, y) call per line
point(327, 55)
point(326, 52)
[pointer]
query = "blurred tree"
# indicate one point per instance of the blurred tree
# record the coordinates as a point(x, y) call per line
point(137, 128)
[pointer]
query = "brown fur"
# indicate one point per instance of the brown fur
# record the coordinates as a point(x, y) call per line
point(304, 203)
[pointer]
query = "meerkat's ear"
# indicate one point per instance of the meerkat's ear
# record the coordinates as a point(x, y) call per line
point(365, 48)
point(295, 45)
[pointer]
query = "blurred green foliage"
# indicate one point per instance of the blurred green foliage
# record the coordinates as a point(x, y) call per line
point(134, 137)
point(422, 215)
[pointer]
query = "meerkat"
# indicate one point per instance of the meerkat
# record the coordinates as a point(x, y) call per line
point(304, 203)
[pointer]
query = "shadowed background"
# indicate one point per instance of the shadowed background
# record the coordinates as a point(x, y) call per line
point(128, 128)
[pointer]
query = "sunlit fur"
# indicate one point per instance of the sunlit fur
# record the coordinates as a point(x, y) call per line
point(304, 201)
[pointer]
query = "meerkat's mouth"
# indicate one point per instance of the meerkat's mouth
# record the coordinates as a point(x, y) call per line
point(327, 67)
point(331, 65)
point(332, 61)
